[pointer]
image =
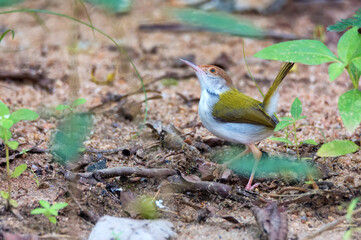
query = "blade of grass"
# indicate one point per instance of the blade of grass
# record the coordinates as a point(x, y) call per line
point(87, 15)
point(121, 49)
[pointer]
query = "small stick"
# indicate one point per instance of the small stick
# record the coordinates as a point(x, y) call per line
point(329, 226)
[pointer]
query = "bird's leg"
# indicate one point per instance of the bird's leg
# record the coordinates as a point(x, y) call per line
point(247, 150)
point(257, 154)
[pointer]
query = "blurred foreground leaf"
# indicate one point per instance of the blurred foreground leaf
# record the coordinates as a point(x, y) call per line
point(269, 166)
point(6, 3)
point(337, 148)
point(117, 6)
point(69, 137)
point(218, 22)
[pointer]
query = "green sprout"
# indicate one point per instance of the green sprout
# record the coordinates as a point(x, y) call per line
point(72, 106)
point(296, 113)
point(7, 120)
point(314, 52)
point(50, 212)
point(350, 210)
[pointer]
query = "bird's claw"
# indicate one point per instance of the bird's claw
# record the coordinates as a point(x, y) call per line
point(250, 187)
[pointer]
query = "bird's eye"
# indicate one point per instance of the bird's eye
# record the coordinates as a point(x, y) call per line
point(212, 70)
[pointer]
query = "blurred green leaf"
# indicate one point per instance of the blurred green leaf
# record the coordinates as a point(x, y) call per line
point(38, 211)
point(44, 204)
point(6, 123)
point(23, 114)
point(169, 82)
point(282, 124)
point(287, 119)
point(335, 70)
point(13, 203)
point(58, 206)
point(343, 24)
point(13, 145)
point(145, 206)
point(310, 52)
point(351, 208)
point(6, 32)
point(69, 136)
point(78, 102)
point(7, 3)
point(19, 170)
point(4, 110)
point(52, 219)
point(4, 195)
point(278, 139)
point(218, 22)
point(117, 6)
point(310, 141)
point(348, 44)
point(62, 107)
point(296, 109)
point(337, 148)
point(349, 105)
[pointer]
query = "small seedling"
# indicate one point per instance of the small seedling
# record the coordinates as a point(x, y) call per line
point(72, 106)
point(296, 113)
point(50, 212)
point(314, 52)
point(7, 120)
point(350, 209)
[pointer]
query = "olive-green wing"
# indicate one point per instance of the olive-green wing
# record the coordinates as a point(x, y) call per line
point(234, 106)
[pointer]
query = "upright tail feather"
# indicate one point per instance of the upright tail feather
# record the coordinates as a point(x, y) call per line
point(271, 98)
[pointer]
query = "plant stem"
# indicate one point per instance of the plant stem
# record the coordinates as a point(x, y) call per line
point(296, 140)
point(8, 176)
point(353, 80)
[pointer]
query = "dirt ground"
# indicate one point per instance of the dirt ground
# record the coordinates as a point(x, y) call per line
point(49, 49)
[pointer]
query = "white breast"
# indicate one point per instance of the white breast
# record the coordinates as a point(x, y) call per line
point(243, 133)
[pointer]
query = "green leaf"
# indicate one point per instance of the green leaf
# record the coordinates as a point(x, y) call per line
point(13, 203)
point(19, 170)
point(218, 22)
point(356, 74)
point(349, 105)
point(282, 124)
point(61, 107)
point(287, 119)
point(310, 141)
point(6, 3)
point(53, 212)
point(4, 110)
point(13, 145)
point(342, 25)
point(44, 204)
point(6, 32)
point(337, 148)
point(4, 195)
point(23, 114)
point(52, 219)
point(117, 6)
point(296, 109)
point(284, 140)
point(351, 208)
point(348, 44)
point(6, 123)
point(38, 211)
point(78, 102)
point(58, 206)
point(310, 52)
point(335, 70)
point(5, 133)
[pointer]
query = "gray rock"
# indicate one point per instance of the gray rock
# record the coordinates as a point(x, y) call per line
point(113, 228)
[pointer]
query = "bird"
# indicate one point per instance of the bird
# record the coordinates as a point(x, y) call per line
point(234, 116)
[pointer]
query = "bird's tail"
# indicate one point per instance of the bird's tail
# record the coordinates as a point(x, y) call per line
point(271, 98)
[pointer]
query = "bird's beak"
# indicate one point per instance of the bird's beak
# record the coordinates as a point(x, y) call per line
point(192, 65)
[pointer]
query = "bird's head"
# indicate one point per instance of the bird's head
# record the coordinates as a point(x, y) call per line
point(212, 78)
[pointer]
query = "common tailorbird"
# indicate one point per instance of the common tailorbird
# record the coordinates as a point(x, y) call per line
point(234, 116)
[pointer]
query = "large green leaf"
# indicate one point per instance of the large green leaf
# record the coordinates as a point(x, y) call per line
point(310, 52)
point(218, 22)
point(6, 3)
point(4, 110)
point(349, 105)
point(6, 123)
point(348, 44)
point(23, 114)
point(13, 145)
point(337, 148)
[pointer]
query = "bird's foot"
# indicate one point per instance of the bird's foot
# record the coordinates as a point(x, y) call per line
point(250, 187)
